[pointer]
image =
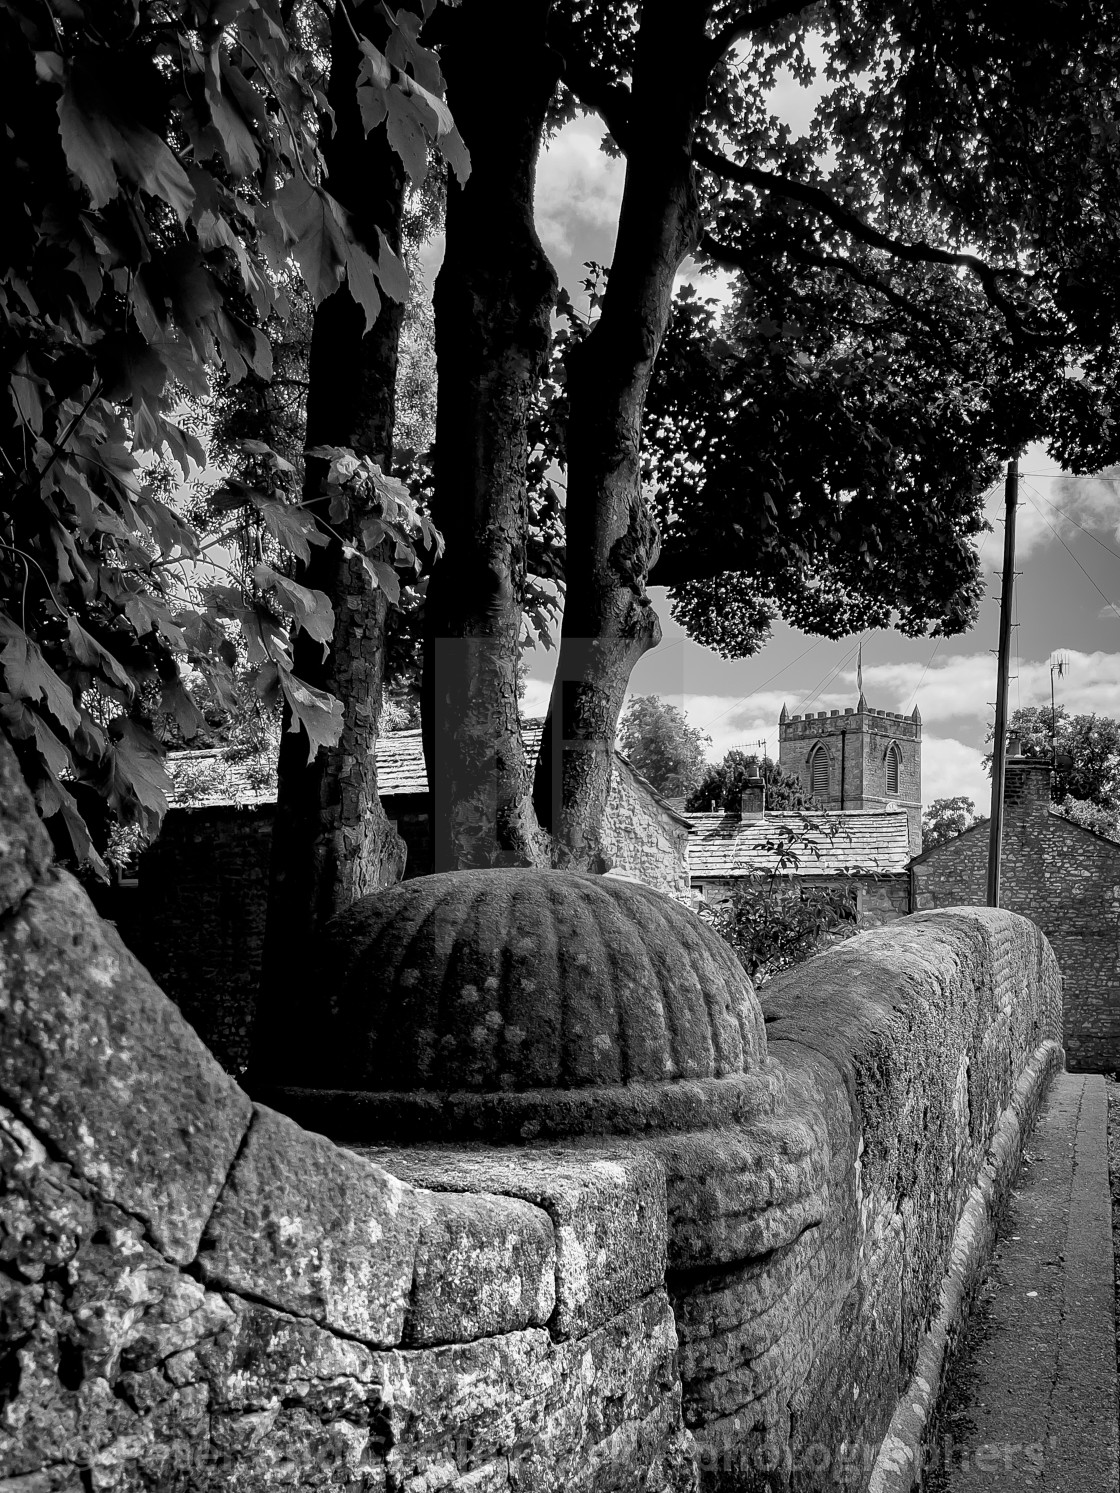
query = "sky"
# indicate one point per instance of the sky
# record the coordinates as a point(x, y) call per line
point(1067, 593)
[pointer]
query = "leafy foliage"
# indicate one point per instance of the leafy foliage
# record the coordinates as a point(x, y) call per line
point(1088, 753)
point(773, 923)
point(945, 818)
point(1092, 816)
point(660, 743)
point(723, 783)
point(870, 521)
point(163, 164)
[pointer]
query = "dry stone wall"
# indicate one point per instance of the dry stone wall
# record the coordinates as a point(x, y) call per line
point(199, 1294)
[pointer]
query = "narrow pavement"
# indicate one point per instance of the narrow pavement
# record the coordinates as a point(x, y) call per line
point(1031, 1401)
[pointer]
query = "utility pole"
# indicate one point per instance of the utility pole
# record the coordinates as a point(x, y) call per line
point(995, 841)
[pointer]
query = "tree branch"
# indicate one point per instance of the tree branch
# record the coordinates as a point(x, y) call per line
point(732, 258)
point(755, 18)
point(611, 101)
point(909, 253)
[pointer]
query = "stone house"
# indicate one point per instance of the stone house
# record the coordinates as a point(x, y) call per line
point(866, 850)
point(644, 837)
point(1064, 878)
point(194, 911)
point(865, 768)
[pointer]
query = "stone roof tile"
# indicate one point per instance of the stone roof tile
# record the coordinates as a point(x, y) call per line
point(865, 840)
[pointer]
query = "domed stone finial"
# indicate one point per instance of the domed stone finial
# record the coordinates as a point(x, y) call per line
point(480, 1000)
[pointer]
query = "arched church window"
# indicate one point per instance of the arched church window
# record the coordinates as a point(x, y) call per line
point(894, 762)
point(818, 773)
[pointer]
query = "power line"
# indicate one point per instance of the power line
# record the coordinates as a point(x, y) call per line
point(925, 671)
point(760, 687)
point(830, 675)
point(1073, 557)
point(1070, 519)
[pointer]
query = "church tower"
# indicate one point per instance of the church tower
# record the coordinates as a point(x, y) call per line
point(857, 759)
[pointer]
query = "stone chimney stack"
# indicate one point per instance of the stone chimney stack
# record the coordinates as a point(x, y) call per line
point(754, 799)
point(1026, 784)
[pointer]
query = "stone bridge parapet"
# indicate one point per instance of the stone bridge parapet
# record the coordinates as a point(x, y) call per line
point(201, 1293)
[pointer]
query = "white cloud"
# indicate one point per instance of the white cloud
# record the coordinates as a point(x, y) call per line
point(734, 723)
point(534, 702)
point(578, 187)
point(964, 685)
point(950, 768)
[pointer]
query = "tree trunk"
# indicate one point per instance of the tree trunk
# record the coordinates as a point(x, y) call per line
point(331, 841)
point(611, 538)
point(493, 300)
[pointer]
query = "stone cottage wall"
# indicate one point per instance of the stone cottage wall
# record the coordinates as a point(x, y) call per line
point(879, 899)
point(200, 1294)
point(641, 841)
point(1067, 880)
point(196, 919)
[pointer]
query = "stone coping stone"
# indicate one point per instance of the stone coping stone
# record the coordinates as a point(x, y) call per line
point(607, 1208)
point(357, 1116)
point(484, 1265)
point(735, 1194)
point(314, 1230)
point(101, 1066)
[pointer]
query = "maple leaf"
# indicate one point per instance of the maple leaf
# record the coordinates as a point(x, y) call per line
point(391, 270)
point(30, 677)
point(136, 774)
point(382, 577)
point(102, 149)
point(407, 134)
point(360, 277)
point(294, 528)
point(319, 713)
point(316, 236)
point(25, 725)
point(89, 652)
point(312, 609)
point(53, 798)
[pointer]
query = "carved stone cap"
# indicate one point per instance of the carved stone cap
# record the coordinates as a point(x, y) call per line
point(519, 984)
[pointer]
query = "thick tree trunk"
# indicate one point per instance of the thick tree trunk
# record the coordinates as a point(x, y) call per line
point(331, 840)
point(493, 300)
point(611, 538)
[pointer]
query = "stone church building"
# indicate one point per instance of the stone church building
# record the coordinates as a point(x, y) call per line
point(858, 758)
point(865, 768)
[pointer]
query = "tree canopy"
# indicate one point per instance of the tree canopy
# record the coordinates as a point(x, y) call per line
point(1087, 749)
point(923, 281)
point(660, 743)
point(722, 784)
point(165, 165)
point(946, 818)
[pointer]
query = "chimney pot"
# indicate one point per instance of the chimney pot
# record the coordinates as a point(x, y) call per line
point(753, 804)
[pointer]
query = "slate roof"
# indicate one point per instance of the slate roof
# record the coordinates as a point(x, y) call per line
point(209, 779)
point(866, 841)
point(400, 763)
